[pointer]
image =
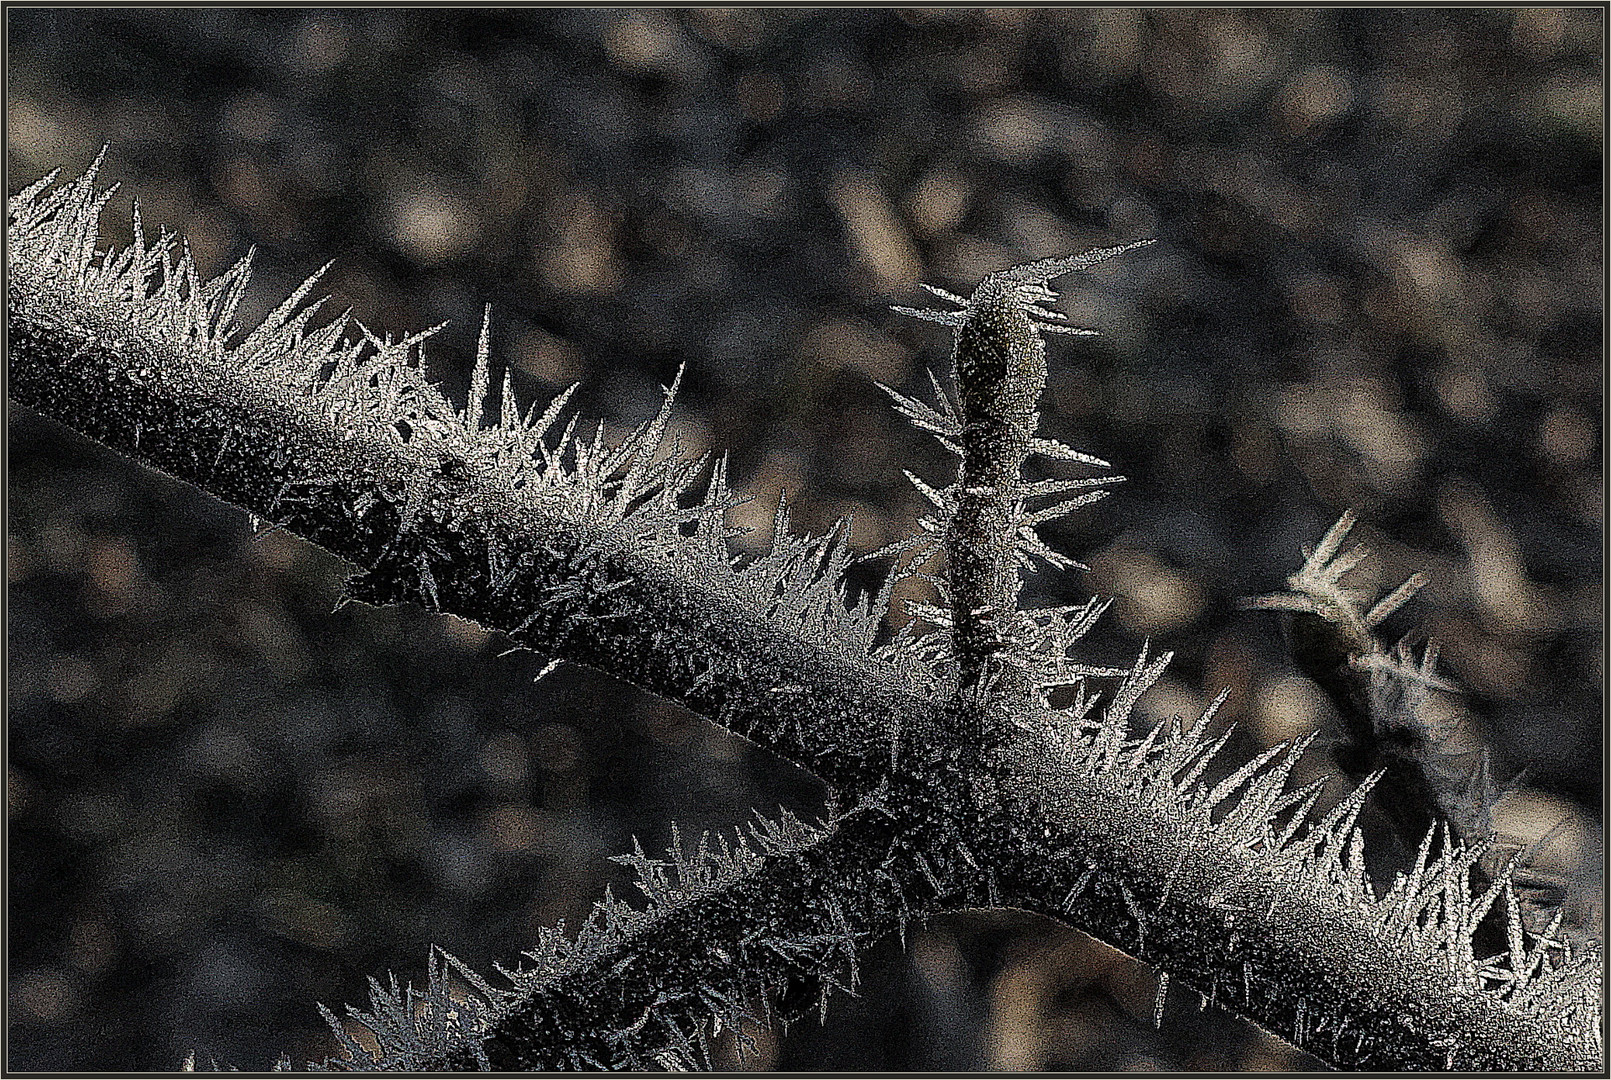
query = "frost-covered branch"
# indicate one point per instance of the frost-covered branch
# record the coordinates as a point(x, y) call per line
point(616, 556)
point(1402, 717)
point(1236, 894)
point(999, 370)
point(597, 554)
point(737, 932)
point(1241, 860)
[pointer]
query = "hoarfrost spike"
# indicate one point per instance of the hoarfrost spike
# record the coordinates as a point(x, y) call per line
point(479, 376)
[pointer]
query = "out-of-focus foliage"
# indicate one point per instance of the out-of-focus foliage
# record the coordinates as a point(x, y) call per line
point(1377, 285)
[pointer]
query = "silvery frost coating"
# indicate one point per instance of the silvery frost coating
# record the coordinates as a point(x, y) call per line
point(1399, 688)
point(616, 554)
point(982, 520)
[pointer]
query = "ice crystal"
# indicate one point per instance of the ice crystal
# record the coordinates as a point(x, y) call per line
point(1026, 286)
point(411, 1030)
point(1318, 589)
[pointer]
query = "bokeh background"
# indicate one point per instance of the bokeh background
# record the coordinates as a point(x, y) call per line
point(1378, 284)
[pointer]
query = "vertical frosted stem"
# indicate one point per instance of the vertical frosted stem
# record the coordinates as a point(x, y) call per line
point(1000, 373)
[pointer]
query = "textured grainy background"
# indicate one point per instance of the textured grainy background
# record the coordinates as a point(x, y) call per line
point(1378, 285)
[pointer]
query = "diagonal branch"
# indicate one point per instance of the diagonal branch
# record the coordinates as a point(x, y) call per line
point(430, 530)
point(764, 929)
point(1272, 917)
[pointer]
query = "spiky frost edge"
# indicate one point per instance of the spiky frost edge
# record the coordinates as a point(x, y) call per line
point(1034, 648)
point(639, 493)
point(461, 1020)
point(1422, 925)
point(421, 1030)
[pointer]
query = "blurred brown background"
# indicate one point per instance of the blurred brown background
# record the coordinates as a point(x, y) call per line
point(1378, 284)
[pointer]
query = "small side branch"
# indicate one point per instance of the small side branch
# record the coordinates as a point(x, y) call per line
point(999, 368)
point(1401, 715)
point(770, 940)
